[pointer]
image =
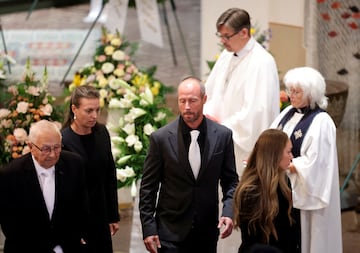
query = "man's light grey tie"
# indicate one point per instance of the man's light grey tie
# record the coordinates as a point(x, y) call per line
point(194, 153)
point(48, 188)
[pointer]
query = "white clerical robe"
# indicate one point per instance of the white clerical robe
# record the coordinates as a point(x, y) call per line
point(243, 94)
point(315, 186)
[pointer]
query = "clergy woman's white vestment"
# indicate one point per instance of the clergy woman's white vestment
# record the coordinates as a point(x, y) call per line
point(315, 186)
point(243, 94)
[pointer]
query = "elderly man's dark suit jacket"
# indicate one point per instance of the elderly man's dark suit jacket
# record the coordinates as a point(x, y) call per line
point(23, 215)
point(183, 200)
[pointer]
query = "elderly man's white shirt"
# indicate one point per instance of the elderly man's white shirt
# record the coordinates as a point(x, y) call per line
point(316, 184)
point(249, 101)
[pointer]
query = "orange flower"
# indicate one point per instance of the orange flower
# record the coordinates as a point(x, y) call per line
point(283, 96)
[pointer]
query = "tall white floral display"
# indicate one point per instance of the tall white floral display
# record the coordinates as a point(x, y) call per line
point(135, 104)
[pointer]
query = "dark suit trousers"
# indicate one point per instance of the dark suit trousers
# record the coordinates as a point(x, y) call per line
point(195, 242)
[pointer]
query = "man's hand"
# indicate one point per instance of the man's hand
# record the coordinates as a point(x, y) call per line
point(152, 243)
point(227, 230)
point(114, 227)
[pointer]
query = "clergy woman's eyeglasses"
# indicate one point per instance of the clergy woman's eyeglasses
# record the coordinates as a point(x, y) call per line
point(293, 92)
point(45, 150)
point(225, 37)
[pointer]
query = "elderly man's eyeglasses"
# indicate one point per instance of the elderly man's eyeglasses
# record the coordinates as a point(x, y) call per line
point(225, 37)
point(47, 149)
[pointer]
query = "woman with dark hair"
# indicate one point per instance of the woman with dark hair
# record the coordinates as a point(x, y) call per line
point(82, 134)
point(262, 200)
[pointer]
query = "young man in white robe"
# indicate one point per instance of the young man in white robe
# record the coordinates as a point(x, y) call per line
point(243, 87)
point(243, 92)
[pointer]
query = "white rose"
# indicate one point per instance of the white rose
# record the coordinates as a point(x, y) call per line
point(138, 146)
point(20, 135)
point(160, 116)
point(103, 93)
point(148, 129)
point(122, 174)
point(13, 90)
point(4, 113)
point(125, 103)
point(6, 123)
point(129, 129)
point(33, 90)
point(114, 103)
point(22, 107)
point(131, 140)
point(107, 67)
point(47, 109)
point(118, 55)
point(116, 83)
point(129, 171)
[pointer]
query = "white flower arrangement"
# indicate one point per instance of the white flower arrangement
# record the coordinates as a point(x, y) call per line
point(133, 91)
point(28, 102)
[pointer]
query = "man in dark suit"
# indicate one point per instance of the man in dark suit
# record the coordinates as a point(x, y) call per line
point(36, 216)
point(183, 215)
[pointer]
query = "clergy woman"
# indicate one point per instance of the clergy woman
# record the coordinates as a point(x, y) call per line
point(314, 169)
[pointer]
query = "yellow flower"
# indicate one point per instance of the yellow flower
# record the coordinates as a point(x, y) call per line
point(116, 42)
point(157, 84)
point(102, 102)
point(119, 72)
point(103, 82)
point(155, 91)
point(77, 79)
point(109, 50)
point(252, 31)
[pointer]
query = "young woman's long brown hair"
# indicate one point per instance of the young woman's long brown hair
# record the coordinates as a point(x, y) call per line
point(259, 183)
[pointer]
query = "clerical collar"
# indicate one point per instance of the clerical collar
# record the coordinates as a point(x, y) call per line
point(246, 49)
point(303, 110)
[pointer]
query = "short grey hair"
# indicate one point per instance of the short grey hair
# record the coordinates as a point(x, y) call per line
point(43, 127)
point(311, 82)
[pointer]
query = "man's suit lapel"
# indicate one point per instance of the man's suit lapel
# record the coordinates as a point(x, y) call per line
point(59, 183)
point(211, 139)
point(178, 147)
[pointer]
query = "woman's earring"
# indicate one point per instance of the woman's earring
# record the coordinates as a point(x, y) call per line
point(74, 117)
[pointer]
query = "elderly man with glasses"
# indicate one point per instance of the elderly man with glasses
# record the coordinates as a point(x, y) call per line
point(243, 86)
point(43, 198)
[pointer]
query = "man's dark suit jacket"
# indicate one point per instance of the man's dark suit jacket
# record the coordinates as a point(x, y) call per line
point(24, 217)
point(183, 200)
